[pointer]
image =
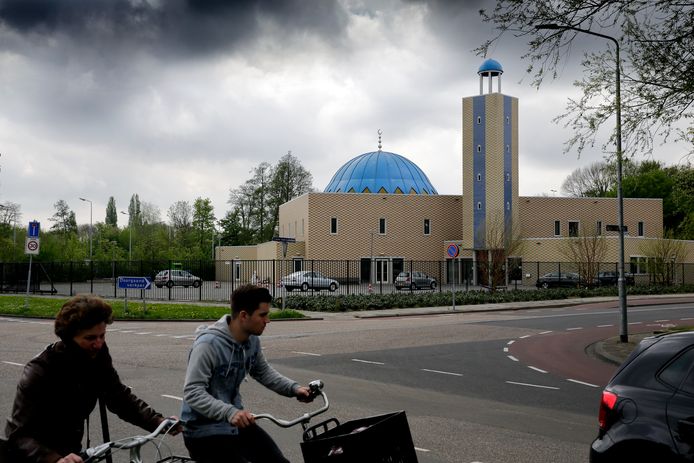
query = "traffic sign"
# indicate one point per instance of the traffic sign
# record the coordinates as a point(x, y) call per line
point(32, 246)
point(33, 230)
point(134, 283)
point(283, 239)
point(614, 228)
point(452, 251)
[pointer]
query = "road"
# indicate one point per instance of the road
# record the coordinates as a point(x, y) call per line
point(488, 387)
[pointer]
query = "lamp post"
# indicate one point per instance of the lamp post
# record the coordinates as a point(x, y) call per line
point(623, 330)
point(130, 238)
point(90, 225)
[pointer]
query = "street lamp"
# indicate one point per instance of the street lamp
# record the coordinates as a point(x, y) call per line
point(90, 226)
point(623, 330)
point(130, 238)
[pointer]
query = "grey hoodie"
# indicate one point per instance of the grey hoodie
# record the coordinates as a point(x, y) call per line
point(217, 364)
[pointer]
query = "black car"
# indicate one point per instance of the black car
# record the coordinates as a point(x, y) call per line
point(558, 280)
point(611, 278)
point(647, 409)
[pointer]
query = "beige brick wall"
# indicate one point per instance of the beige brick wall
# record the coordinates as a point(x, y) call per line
point(358, 214)
point(468, 174)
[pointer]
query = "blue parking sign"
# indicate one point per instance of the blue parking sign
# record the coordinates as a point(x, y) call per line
point(33, 230)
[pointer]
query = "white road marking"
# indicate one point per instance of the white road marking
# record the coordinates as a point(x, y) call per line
point(635, 323)
point(126, 331)
point(306, 353)
point(581, 382)
point(368, 361)
point(144, 332)
point(660, 321)
point(605, 326)
point(442, 372)
point(160, 335)
point(536, 369)
point(574, 329)
point(172, 397)
point(512, 358)
point(533, 385)
point(422, 450)
point(526, 336)
point(13, 363)
point(545, 332)
point(688, 318)
point(510, 342)
point(505, 349)
point(182, 336)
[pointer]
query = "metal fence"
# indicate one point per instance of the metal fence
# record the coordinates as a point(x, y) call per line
point(220, 278)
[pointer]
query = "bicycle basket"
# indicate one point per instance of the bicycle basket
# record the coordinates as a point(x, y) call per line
point(377, 439)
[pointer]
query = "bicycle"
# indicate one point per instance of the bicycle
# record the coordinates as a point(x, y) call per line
point(376, 439)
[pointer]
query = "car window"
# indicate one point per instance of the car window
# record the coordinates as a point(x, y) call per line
point(674, 373)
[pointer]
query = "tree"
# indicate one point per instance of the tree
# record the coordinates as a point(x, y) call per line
point(289, 180)
point(502, 240)
point(111, 213)
point(587, 251)
point(657, 44)
point(595, 180)
point(232, 232)
point(203, 224)
point(134, 211)
point(663, 255)
point(64, 218)
point(10, 214)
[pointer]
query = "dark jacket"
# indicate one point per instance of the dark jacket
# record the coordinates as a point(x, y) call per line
point(56, 394)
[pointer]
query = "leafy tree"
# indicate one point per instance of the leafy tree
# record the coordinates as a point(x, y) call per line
point(203, 224)
point(64, 218)
point(233, 233)
point(134, 211)
point(663, 255)
point(657, 63)
point(111, 212)
point(595, 180)
point(289, 180)
point(587, 251)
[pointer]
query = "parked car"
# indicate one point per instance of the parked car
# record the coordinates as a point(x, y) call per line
point(610, 278)
point(415, 280)
point(309, 280)
point(559, 280)
point(171, 278)
point(647, 409)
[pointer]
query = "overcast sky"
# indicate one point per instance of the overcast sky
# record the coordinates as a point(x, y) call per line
point(176, 99)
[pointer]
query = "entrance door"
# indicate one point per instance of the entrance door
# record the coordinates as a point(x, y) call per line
point(382, 271)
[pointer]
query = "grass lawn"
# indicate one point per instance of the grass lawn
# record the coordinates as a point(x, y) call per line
point(47, 307)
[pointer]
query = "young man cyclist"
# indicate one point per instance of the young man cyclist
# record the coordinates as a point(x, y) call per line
point(218, 428)
point(59, 388)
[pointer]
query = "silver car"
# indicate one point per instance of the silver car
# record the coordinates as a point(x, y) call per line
point(414, 280)
point(171, 278)
point(309, 280)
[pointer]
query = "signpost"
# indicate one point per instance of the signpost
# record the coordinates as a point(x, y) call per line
point(31, 247)
point(452, 251)
point(614, 228)
point(127, 283)
point(285, 242)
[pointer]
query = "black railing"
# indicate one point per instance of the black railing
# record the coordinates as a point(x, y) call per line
point(219, 278)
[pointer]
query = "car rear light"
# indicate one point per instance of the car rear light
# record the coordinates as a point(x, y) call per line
point(607, 405)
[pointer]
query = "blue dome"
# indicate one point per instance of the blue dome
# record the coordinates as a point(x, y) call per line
point(491, 66)
point(380, 172)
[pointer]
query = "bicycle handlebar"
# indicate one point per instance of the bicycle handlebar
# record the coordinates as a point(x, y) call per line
point(134, 442)
point(316, 388)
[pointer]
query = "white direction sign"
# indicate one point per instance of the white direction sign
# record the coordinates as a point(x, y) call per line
point(32, 245)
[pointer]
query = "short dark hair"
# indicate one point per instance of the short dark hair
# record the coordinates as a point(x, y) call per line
point(248, 298)
point(81, 312)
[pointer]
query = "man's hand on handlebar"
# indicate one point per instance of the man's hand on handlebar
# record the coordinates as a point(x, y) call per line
point(304, 394)
point(242, 419)
point(176, 429)
point(72, 458)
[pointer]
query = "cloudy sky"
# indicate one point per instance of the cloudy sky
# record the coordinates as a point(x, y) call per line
point(179, 99)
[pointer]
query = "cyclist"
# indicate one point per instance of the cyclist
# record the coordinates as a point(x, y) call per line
point(218, 428)
point(59, 388)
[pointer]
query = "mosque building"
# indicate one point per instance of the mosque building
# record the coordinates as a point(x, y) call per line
point(380, 213)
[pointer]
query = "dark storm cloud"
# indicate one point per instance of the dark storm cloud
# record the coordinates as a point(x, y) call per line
point(195, 26)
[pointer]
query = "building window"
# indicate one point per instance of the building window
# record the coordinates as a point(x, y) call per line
point(479, 177)
point(382, 226)
point(508, 176)
point(557, 228)
point(427, 227)
point(638, 264)
point(333, 226)
point(479, 206)
point(508, 120)
point(508, 206)
point(598, 227)
point(479, 119)
point(573, 229)
point(508, 148)
point(640, 228)
point(479, 148)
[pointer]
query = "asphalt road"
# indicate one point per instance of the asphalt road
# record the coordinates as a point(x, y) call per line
point(492, 387)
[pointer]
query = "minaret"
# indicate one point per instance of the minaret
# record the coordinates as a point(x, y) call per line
point(490, 160)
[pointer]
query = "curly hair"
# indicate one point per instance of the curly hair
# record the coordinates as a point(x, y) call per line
point(81, 312)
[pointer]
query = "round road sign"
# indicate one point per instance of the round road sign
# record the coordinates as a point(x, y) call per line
point(453, 250)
